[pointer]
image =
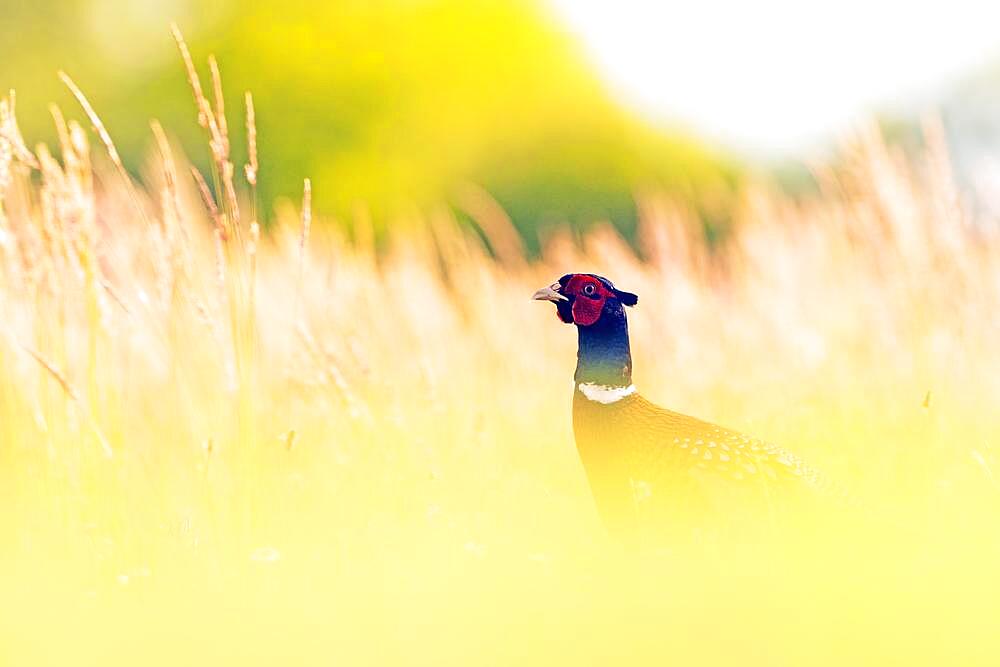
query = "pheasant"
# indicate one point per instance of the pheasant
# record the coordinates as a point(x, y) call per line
point(648, 466)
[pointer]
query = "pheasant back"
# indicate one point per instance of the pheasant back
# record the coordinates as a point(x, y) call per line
point(653, 471)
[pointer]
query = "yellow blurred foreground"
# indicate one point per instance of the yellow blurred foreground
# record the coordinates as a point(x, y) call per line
point(221, 448)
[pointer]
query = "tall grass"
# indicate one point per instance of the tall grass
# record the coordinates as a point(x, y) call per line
point(222, 447)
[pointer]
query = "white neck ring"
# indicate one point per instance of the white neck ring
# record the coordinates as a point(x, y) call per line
point(600, 393)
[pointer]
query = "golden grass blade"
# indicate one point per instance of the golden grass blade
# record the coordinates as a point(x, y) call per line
point(306, 219)
point(251, 168)
point(9, 130)
point(73, 395)
point(109, 145)
point(206, 118)
point(95, 120)
point(220, 108)
point(209, 200)
point(495, 223)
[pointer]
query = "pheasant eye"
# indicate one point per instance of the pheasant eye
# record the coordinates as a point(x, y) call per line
point(589, 289)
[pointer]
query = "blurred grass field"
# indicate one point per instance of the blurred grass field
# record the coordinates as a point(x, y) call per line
point(223, 446)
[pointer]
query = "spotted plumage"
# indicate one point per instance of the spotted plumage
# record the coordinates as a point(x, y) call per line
point(648, 467)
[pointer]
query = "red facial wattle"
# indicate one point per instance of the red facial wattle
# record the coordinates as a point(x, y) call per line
point(589, 296)
point(587, 310)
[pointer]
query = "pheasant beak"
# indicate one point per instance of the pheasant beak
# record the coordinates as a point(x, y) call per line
point(549, 294)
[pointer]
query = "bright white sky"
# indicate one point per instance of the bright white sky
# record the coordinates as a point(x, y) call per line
point(776, 76)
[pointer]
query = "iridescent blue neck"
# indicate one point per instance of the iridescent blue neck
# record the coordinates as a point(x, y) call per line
point(603, 356)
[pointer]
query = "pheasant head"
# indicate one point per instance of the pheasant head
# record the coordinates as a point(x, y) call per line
point(597, 308)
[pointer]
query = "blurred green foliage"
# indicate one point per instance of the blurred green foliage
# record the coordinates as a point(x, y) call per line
point(393, 103)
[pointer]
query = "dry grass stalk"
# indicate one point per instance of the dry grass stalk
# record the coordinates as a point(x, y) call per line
point(80, 148)
point(75, 152)
point(10, 131)
point(220, 150)
point(113, 293)
point(205, 116)
point(62, 129)
point(105, 137)
point(250, 171)
point(252, 168)
point(228, 172)
point(95, 120)
point(303, 242)
point(73, 395)
point(171, 201)
point(214, 121)
point(173, 249)
point(213, 210)
point(306, 219)
point(54, 372)
point(219, 237)
point(220, 109)
point(6, 160)
point(495, 223)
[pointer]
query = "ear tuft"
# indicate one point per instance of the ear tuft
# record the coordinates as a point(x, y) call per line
point(627, 298)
